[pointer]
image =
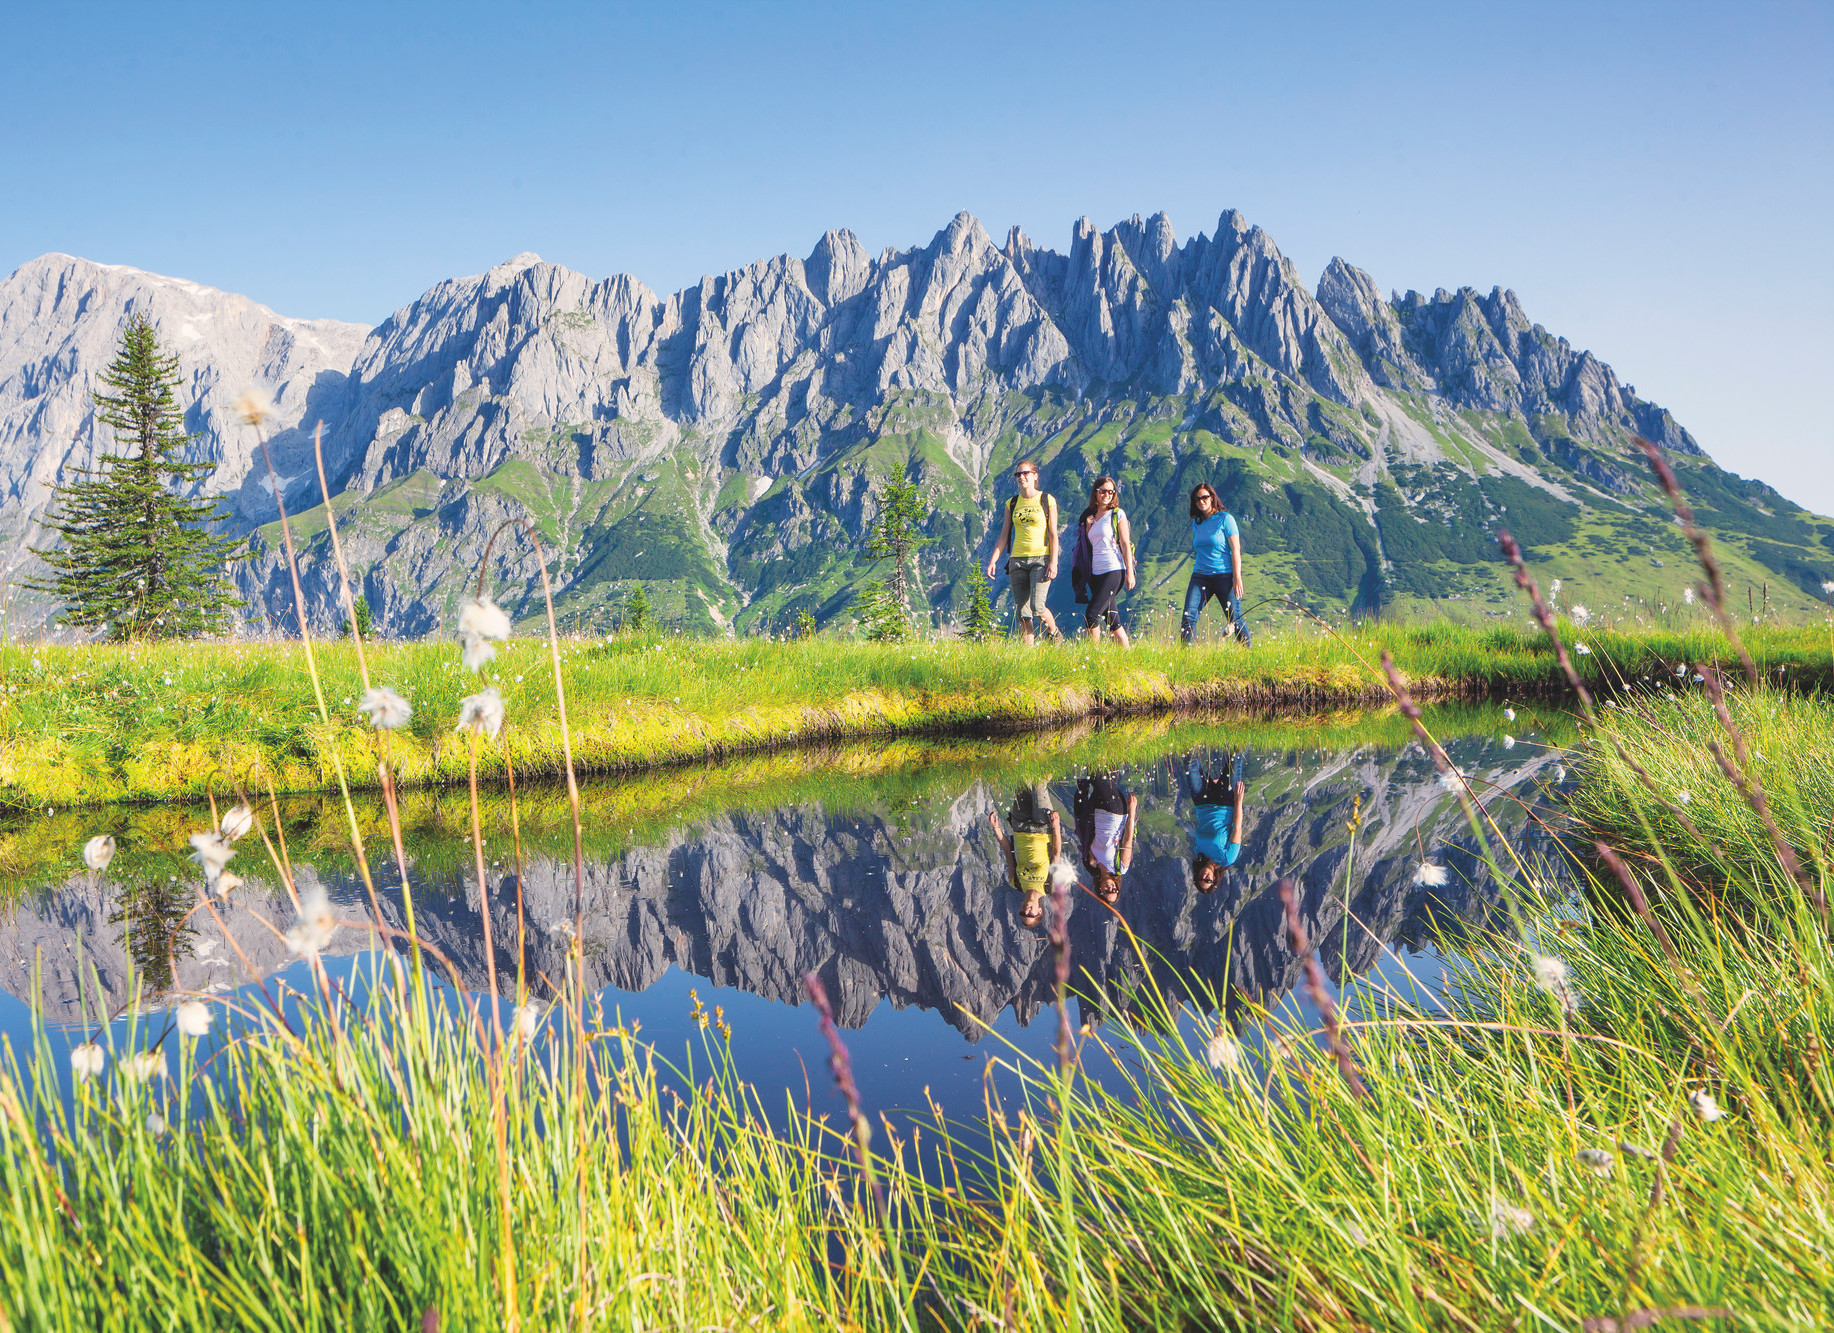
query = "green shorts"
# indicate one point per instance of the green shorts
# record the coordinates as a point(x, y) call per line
point(1030, 586)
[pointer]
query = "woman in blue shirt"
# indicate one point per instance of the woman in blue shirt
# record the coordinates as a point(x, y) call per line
point(1217, 819)
point(1216, 546)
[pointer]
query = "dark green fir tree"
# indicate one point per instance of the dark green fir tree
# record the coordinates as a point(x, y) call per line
point(884, 607)
point(637, 612)
point(979, 623)
point(138, 559)
point(895, 534)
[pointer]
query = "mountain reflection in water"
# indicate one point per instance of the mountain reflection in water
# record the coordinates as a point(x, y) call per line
point(893, 887)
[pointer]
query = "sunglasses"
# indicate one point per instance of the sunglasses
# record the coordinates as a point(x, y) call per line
point(1104, 490)
point(1025, 472)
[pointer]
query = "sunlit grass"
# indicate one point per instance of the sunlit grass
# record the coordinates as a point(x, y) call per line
point(86, 724)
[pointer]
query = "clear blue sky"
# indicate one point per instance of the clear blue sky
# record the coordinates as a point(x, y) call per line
point(1652, 179)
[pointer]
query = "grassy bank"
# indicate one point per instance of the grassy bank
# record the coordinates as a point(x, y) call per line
point(82, 725)
point(1601, 1125)
point(1688, 804)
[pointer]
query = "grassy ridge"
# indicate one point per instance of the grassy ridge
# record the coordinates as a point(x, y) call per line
point(82, 725)
point(1597, 1122)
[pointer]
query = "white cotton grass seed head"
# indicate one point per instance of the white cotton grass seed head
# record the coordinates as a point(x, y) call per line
point(1580, 614)
point(1687, 595)
point(98, 852)
point(1828, 587)
point(481, 712)
point(1704, 1105)
point(211, 851)
point(1452, 780)
point(86, 1061)
point(1509, 715)
point(485, 618)
point(1430, 875)
point(237, 822)
point(527, 1022)
point(1582, 650)
point(1596, 1160)
point(145, 1066)
point(1550, 974)
point(254, 406)
point(1554, 587)
point(1224, 1052)
point(156, 1124)
point(316, 925)
point(193, 1018)
point(1509, 742)
point(228, 881)
point(385, 709)
point(478, 652)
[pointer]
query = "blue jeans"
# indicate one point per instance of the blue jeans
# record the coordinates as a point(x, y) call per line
point(1222, 587)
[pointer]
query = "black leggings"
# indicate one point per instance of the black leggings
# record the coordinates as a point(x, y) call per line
point(1103, 589)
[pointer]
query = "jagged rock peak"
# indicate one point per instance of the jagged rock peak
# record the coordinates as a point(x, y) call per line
point(964, 232)
point(837, 268)
point(509, 268)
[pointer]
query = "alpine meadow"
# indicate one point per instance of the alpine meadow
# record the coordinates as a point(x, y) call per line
point(581, 808)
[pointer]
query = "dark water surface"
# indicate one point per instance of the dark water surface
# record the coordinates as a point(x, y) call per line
point(878, 868)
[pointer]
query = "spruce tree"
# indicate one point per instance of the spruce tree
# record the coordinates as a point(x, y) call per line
point(636, 609)
point(137, 558)
point(978, 622)
point(885, 606)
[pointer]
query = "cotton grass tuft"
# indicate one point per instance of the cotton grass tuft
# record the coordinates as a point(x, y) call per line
point(98, 852)
point(86, 1061)
point(316, 925)
point(385, 709)
point(481, 713)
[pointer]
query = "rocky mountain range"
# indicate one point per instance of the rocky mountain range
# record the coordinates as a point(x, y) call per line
point(723, 444)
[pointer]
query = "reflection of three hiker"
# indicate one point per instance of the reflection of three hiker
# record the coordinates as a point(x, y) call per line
point(1107, 820)
point(1103, 562)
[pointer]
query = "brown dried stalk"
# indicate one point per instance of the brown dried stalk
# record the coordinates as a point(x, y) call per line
point(1545, 618)
point(1060, 946)
point(1745, 778)
point(842, 1066)
point(1321, 996)
point(1714, 589)
point(1640, 905)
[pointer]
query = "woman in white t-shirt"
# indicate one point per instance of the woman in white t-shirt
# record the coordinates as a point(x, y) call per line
point(1105, 820)
point(1111, 559)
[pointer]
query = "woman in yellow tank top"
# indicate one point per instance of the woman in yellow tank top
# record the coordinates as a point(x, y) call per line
point(1030, 532)
point(1036, 841)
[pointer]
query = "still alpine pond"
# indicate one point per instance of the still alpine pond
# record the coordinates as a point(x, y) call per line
point(913, 878)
